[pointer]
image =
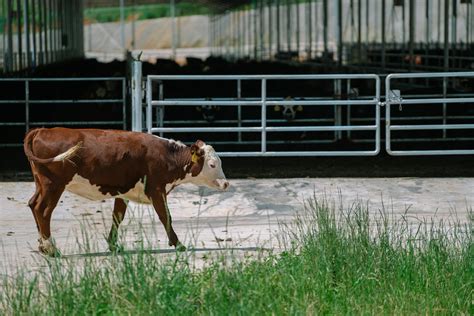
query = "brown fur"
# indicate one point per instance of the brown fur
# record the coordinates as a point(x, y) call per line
point(113, 160)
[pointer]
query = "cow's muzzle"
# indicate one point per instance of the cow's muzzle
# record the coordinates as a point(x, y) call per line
point(222, 184)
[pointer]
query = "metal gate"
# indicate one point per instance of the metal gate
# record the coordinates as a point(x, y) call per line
point(441, 121)
point(450, 127)
point(28, 97)
point(264, 126)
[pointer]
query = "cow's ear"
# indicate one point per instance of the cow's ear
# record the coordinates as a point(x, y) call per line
point(196, 153)
point(200, 143)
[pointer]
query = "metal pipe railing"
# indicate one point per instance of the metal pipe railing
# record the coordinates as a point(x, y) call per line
point(264, 101)
point(398, 100)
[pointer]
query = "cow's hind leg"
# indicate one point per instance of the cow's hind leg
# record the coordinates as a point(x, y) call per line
point(120, 206)
point(42, 207)
point(161, 207)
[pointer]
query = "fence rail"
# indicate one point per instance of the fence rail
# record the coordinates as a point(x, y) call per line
point(394, 97)
point(264, 101)
point(30, 100)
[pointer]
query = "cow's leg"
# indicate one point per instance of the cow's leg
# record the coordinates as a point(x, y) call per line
point(42, 208)
point(120, 206)
point(32, 203)
point(161, 207)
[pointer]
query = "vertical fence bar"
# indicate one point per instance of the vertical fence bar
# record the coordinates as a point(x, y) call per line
point(388, 99)
point(270, 33)
point(383, 36)
point(148, 106)
point(137, 95)
point(278, 26)
point(27, 105)
point(348, 114)
point(124, 104)
point(297, 6)
point(20, 46)
point(33, 32)
point(239, 108)
point(446, 57)
point(264, 115)
point(377, 116)
point(339, 32)
point(288, 26)
point(325, 26)
point(309, 25)
point(161, 109)
point(10, 36)
point(26, 22)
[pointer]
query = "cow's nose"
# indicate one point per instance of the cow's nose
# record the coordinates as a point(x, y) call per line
point(225, 185)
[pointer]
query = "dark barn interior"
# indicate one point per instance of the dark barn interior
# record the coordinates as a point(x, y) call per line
point(98, 94)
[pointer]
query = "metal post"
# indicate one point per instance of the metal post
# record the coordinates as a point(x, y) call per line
point(446, 35)
point(428, 27)
point(122, 27)
point(173, 28)
point(20, 48)
point(161, 109)
point(309, 22)
point(264, 115)
point(288, 26)
point(149, 111)
point(411, 43)
point(137, 96)
point(40, 33)
point(367, 22)
point(262, 25)
point(339, 31)
point(33, 26)
point(278, 26)
point(26, 21)
point(270, 28)
point(383, 36)
point(297, 6)
point(134, 20)
point(239, 108)
point(255, 29)
point(27, 105)
point(325, 26)
point(454, 36)
point(10, 36)
point(359, 30)
point(446, 58)
point(124, 104)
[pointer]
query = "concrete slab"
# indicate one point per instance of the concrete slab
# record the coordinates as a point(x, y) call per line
point(246, 216)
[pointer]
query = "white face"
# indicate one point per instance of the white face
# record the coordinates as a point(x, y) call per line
point(212, 174)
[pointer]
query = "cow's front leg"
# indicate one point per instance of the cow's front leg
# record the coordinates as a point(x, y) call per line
point(120, 206)
point(161, 207)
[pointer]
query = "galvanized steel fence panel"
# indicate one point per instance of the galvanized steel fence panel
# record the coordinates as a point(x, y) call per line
point(393, 97)
point(264, 102)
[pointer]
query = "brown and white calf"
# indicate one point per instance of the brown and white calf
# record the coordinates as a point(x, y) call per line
point(100, 164)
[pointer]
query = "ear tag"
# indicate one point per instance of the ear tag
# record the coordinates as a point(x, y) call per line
point(194, 157)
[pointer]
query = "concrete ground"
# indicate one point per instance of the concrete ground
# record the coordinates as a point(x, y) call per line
point(243, 218)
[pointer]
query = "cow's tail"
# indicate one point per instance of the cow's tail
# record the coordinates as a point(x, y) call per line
point(65, 156)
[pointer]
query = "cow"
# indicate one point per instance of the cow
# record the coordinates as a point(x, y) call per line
point(105, 164)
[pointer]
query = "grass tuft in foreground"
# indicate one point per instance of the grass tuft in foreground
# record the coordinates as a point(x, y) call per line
point(337, 261)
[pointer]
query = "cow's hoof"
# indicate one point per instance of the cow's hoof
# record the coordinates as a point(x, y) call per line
point(116, 248)
point(180, 247)
point(47, 248)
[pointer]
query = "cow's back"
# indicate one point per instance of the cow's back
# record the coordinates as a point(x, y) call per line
point(111, 160)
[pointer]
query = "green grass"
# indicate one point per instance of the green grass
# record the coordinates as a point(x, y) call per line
point(143, 12)
point(336, 262)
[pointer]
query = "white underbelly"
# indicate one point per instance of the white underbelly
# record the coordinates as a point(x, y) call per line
point(82, 187)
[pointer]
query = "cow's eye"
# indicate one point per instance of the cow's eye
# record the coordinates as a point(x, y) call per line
point(212, 165)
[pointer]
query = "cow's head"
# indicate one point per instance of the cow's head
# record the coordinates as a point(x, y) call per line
point(206, 159)
point(288, 111)
point(208, 112)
